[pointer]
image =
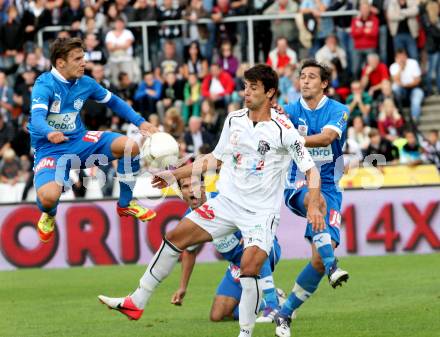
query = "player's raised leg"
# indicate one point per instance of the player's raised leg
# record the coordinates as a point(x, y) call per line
point(186, 233)
point(128, 168)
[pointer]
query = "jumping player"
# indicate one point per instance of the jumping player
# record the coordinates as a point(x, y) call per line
point(61, 141)
point(322, 124)
point(254, 151)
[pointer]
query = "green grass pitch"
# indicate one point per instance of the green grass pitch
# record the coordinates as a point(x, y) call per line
point(391, 296)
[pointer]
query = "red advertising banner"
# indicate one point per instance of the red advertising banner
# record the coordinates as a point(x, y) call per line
point(374, 222)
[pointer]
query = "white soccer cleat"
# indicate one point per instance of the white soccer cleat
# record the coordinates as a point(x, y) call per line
point(283, 326)
point(111, 302)
point(267, 316)
point(337, 276)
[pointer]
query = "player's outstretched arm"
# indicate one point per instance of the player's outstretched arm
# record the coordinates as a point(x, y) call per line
point(314, 215)
point(202, 164)
point(188, 261)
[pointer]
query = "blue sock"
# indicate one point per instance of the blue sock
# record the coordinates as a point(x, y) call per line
point(323, 244)
point(305, 285)
point(126, 174)
point(51, 211)
point(235, 312)
point(262, 304)
point(270, 296)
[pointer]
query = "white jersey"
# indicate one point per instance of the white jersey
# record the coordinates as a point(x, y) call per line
point(256, 158)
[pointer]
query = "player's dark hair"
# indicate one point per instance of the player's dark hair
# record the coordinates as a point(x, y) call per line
point(265, 74)
point(61, 47)
point(324, 71)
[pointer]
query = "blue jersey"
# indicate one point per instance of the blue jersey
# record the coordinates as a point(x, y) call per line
point(57, 102)
point(328, 114)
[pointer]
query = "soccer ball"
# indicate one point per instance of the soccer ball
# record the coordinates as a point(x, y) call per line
point(160, 150)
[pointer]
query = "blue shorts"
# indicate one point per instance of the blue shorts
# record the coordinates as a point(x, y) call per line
point(53, 162)
point(294, 200)
point(230, 284)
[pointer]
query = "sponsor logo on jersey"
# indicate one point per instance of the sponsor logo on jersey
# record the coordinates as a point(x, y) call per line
point(62, 122)
point(78, 103)
point(298, 149)
point(226, 244)
point(283, 122)
point(205, 212)
point(236, 159)
point(263, 147)
point(321, 153)
point(55, 107)
point(343, 120)
point(45, 163)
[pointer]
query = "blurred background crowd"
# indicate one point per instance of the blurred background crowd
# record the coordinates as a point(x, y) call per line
point(385, 62)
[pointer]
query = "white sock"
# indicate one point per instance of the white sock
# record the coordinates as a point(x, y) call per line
point(159, 268)
point(249, 304)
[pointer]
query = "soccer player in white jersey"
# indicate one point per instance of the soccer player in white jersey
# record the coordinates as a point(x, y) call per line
point(254, 151)
point(61, 141)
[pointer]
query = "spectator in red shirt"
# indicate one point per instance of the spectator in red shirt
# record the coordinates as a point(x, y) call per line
point(390, 122)
point(217, 86)
point(282, 55)
point(373, 74)
point(365, 32)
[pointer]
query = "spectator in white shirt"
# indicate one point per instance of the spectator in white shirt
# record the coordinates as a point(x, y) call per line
point(407, 76)
point(119, 43)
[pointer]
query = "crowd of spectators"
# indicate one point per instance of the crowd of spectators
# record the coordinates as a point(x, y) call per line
point(385, 61)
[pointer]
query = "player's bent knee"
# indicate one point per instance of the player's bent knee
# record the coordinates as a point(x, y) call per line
point(48, 197)
point(216, 316)
point(219, 313)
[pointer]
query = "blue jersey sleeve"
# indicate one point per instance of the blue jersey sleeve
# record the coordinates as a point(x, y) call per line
point(291, 113)
point(338, 119)
point(122, 109)
point(41, 93)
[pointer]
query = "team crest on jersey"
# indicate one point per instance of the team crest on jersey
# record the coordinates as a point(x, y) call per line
point(263, 147)
point(78, 103)
point(55, 107)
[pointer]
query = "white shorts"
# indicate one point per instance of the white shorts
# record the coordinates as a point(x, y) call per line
point(220, 217)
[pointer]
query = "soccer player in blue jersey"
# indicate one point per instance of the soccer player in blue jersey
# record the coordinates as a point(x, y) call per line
point(231, 248)
point(62, 142)
point(322, 123)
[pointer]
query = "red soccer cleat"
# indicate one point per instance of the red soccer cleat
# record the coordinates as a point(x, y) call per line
point(136, 210)
point(124, 305)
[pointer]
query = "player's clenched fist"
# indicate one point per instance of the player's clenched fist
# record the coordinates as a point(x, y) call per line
point(56, 137)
